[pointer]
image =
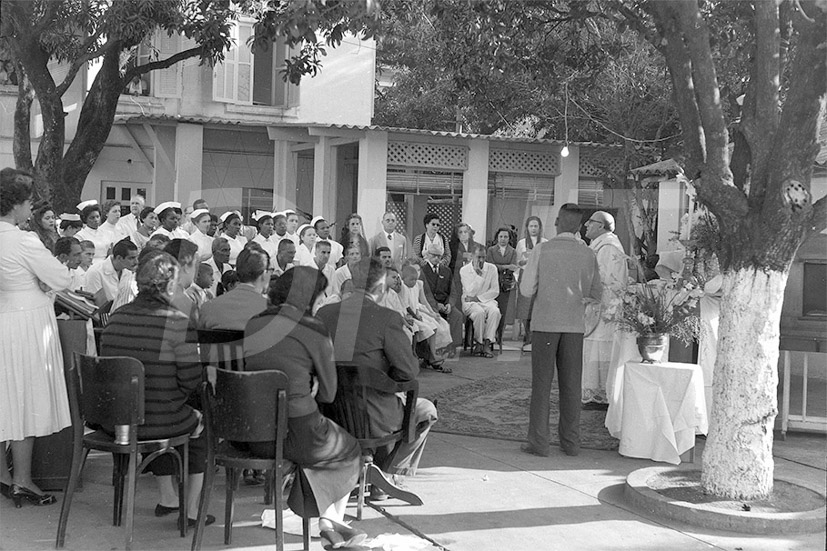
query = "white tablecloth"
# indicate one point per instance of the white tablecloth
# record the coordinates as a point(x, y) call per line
point(656, 410)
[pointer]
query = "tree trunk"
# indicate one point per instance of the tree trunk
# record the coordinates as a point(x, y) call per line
point(737, 460)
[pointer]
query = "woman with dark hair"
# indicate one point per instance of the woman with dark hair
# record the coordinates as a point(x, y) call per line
point(70, 224)
point(149, 223)
point(352, 234)
point(155, 332)
point(111, 213)
point(266, 236)
point(169, 221)
point(90, 215)
point(502, 255)
point(42, 223)
point(288, 338)
point(525, 246)
point(432, 237)
point(462, 246)
point(33, 399)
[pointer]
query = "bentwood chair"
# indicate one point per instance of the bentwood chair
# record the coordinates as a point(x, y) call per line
point(350, 410)
point(108, 392)
point(244, 407)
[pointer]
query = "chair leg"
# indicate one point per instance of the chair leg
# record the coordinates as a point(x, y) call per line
point(74, 477)
point(183, 478)
point(119, 472)
point(270, 476)
point(232, 474)
point(204, 504)
point(268, 487)
point(305, 534)
point(360, 500)
point(132, 482)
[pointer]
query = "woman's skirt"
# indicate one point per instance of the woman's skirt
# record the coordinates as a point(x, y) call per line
point(328, 458)
point(33, 399)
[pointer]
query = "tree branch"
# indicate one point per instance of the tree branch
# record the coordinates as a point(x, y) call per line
point(760, 113)
point(696, 36)
point(81, 60)
point(139, 70)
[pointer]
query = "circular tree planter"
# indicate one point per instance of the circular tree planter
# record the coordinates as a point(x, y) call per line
point(676, 494)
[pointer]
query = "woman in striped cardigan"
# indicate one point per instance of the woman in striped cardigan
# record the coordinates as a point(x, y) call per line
point(153, 331)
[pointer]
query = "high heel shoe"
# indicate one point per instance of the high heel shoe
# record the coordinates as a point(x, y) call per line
point(19, 493)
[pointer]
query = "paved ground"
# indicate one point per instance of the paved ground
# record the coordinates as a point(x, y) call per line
point(479, 494)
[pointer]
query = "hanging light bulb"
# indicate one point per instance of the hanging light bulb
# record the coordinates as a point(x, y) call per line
point(565, 151)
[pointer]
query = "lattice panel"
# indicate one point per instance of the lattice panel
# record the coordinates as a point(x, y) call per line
point(523, 162)
point(595, 163)
point(450, 214)
point(427, 154)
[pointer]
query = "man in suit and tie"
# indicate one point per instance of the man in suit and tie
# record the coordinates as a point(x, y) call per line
point(441, 295)
point(370, 335)
point(564, 275)
point(398, 244)
point(233, 309)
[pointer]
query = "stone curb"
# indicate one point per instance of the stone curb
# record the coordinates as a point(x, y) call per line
point(637, 492)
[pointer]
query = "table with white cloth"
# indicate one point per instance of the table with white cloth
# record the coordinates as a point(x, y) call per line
point(657, 409)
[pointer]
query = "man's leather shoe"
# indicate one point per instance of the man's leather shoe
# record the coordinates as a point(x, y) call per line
point(377, 494)
point(527, 448)
point(161, 511)
point(570, 450)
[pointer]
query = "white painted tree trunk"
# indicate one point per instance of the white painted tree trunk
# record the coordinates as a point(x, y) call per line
point(737, 460)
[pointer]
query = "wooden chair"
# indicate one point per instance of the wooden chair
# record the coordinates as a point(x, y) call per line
point(350, 410)
point(244, 407)
point(468, 335)
point(223, 348)
point(108, 392)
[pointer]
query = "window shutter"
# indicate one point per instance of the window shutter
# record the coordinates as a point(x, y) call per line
point(233, 79)
point(244, 91)
point(168, 81)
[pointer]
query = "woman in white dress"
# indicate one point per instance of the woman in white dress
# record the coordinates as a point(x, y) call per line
point(169, 218)
point(33, 400)
point(305, 255)
point(90, 214)
point(201, 223)
point(111, 212)
point(525, 246)
point(266, 237)
point(232, 233)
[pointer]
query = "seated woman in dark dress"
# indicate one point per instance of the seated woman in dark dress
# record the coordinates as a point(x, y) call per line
point(153, 331)
point(288, 338)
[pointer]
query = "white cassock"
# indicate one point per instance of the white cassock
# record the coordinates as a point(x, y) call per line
point(485, 314)
point(390, 300)
point(597, 344)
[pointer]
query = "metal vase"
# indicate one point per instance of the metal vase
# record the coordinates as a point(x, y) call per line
point(652, 347)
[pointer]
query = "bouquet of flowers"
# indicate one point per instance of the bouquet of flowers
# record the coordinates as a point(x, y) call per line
point(659, 307)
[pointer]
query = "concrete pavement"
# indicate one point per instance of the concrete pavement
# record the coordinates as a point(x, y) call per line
point(478, 493)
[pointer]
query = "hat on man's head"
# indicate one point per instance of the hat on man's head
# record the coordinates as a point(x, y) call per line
point(82, 205)
point(603, 217)
point(168, 205)
point(69, 217)
point(436, 249)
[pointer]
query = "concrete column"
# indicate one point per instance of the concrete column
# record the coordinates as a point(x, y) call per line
point(284, 176)
point(372, 189)
point(670, 202)
point(164, 157)
point(565, 187)
point(475, 190)
point(324, 179)
point(189, 157)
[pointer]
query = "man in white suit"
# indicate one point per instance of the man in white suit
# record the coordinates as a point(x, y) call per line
point(398, 244)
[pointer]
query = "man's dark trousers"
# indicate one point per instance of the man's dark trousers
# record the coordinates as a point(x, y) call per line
point(565, 352)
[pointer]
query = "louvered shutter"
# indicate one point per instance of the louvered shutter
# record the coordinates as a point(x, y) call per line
point(168, 81)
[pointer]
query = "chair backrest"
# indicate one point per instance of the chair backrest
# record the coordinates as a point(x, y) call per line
point(111, 390)
point(350, 406)
point(247, 406)
point(223, 348)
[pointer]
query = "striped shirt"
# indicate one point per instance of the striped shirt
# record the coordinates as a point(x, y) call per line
point(158, 335)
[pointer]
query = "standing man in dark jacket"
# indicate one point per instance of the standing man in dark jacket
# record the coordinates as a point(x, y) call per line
point(564, 276)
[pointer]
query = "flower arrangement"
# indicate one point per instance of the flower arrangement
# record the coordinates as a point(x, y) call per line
point(659, 307)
